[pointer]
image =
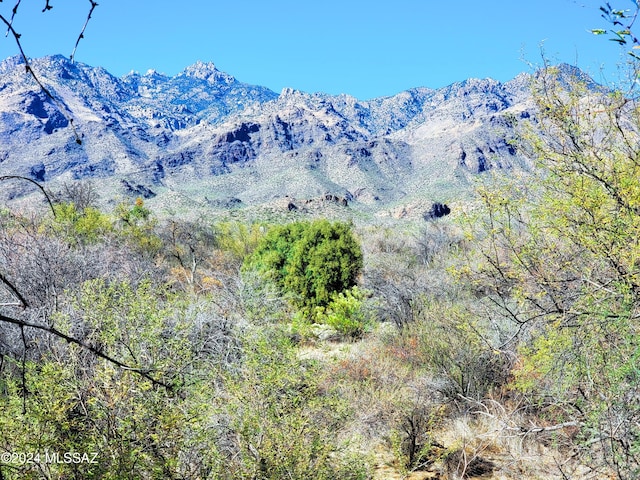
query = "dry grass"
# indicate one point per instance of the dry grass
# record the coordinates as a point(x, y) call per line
point(383, 381)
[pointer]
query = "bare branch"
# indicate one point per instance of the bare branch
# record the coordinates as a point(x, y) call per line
point(81, 36)
point(23, 361)
point(44, 192)
point(23, 302)
point(13, 14)
point(145, 373)
point(29, 69)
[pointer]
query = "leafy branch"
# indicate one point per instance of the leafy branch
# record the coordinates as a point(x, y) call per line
point(145, 373)
point(622, 22)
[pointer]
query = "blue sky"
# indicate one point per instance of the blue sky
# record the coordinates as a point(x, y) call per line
point(363, 48)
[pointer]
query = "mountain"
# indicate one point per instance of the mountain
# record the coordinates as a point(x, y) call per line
point(204, 138)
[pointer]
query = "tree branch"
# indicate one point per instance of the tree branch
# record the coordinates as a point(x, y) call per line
point(44, 192)
point(145, 373)
point(23, 301)
point(81, 36)
point(29, 69)
point(13, 14)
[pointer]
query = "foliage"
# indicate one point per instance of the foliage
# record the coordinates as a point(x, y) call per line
point(560, 258)
point(71, 401)
point(82, 194)
point(286, 425)
point(346, 313)
point(115, 360)
point(262, 301)
point(622, 21)
point(87, 225)
point(137, 224)
point(455, 346)
point(311, 260)
point(239, 239)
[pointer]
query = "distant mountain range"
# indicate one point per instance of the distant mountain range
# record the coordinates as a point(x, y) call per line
point(204, 138)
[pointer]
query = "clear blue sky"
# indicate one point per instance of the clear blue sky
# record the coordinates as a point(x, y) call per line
point(363, 48)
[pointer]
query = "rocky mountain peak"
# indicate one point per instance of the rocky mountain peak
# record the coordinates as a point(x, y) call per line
point(249, 143)
point(207, 71)
point(10, 64)
point(288, 92)
point(156, 76)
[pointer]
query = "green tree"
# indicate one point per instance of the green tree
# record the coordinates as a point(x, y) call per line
point(560, 258)
point(87, 225)
point(311, 260)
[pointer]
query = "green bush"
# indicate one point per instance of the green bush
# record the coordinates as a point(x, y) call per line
point(286, 421)
point(86, 226)
point(137, 225)
point(311, 260)
point(238, 239)
point(345, 313)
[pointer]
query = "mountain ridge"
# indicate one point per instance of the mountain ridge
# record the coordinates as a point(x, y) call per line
point(224, 139)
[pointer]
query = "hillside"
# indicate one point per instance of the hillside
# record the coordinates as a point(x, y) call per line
point(204, 139)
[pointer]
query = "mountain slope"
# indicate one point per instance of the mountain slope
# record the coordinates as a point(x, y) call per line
point(207, 135)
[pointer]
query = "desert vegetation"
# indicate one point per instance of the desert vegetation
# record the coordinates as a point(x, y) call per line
point(496, 338)
point(499, 340)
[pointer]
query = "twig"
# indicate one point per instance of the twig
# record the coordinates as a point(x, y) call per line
point(24, 370)
point(22, 301)
point(13, 14)
point(552, 428)
point(30, 71)
point(81, 36)
point(44, 192)
point(69, 339)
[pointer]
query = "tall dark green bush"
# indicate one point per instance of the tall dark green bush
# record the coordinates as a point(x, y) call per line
point(310, 260)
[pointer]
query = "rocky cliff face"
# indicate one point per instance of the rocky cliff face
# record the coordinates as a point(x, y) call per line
point(216, 138)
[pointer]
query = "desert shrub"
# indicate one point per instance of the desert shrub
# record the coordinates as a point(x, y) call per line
point(66, 399)
point(238, 239)
point(285, 422)
point(42, 257)
point(137, 225)
point(188, 248)
point(82, 194)
point(311, 260)
point(436, 241)
point(261, 300)
point(346, 313)
point(410, 266)
point(451, 344)
point(414, 441)
point(87, 225)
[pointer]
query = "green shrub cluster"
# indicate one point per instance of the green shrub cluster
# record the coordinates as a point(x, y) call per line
point(117, 360)
point(345, 313)
point(310, 260)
